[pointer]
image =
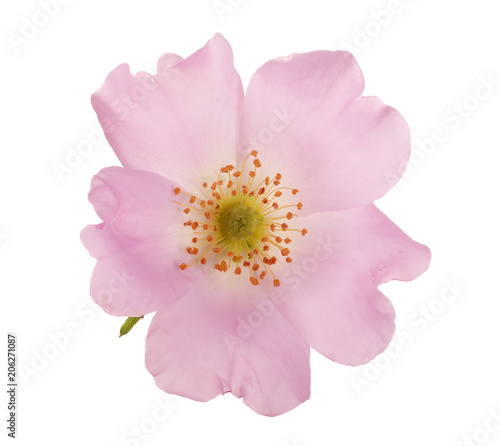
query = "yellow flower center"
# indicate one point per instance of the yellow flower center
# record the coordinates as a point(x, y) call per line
point(239, 226)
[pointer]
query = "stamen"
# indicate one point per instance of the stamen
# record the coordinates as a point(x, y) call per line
point(240, 222)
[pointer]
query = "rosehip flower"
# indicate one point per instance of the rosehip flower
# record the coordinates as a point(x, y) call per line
point(246, 221)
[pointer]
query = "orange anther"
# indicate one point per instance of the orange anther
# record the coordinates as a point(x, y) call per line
point(255, 267)
point(209, 238)
point(194, 251)
point(278, 239)
point(236, 174)
point(276, 282)
point(177, 190)
point(285, 252)
point(203, 204)
point(288, 260)
point(257, 163)
point(284, 226)
point(194, 240)
point(254, 280)
point(194, 225)
point(304, 231)
point(275, 205)
point(183, 266)
point(246, 263)
point(278, 176)
point(278, 194)
point(237, 270)
point(262, 275)
point(295, 191)
point(252, 174)
point(186, 211)
point(254, 153)
point(262, 190)
point(299, 206)
point(216, 250)
point(203, 261)
point(288, 240)
point(205, 227)
point(192, 199)
point(289, 216)
point(207, 215)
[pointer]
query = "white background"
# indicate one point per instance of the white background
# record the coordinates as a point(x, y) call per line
point(427, 58)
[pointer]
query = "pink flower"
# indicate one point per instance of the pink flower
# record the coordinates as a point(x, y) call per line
point(247, 221)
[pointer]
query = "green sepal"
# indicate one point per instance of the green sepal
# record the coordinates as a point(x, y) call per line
point(129, 324)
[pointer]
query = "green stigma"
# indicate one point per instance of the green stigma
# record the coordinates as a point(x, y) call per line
point(240, 222)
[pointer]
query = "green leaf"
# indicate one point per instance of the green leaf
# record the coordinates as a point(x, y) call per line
point(129, 324)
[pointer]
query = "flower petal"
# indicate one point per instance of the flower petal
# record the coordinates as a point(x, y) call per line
point(305, 116)
point(213, 341)
point(183, 120)
point(138, 246)
point(331, 294)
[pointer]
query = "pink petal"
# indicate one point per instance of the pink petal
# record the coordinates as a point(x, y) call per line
point(330, 293)
point(204, 345)
point(305, 116)
point(139, 244)
point(181, 123)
